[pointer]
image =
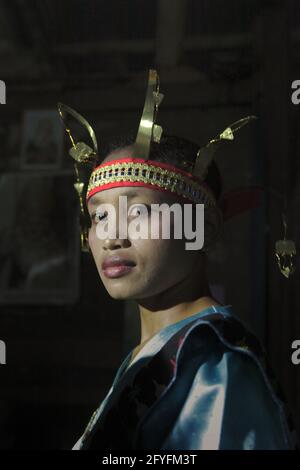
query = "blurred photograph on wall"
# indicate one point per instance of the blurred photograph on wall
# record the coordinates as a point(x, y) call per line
point(38, 239)
point(42, 140)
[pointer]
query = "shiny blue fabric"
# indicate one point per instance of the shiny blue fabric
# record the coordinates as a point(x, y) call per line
point(219, 396)
point(219, 400)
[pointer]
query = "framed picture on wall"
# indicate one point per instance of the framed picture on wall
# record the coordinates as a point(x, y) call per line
point(39, 239)
point(42, 140)
point(10, 138)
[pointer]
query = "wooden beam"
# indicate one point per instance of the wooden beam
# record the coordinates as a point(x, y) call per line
point(171, 17)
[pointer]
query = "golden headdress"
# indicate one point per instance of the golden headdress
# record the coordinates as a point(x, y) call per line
point(139, 170)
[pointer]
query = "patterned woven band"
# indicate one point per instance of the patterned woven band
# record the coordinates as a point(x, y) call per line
point(149, 174)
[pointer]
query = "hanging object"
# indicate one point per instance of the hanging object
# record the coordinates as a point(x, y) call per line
point(285, 252)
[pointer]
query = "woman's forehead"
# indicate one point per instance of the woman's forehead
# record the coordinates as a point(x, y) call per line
point(125, 152)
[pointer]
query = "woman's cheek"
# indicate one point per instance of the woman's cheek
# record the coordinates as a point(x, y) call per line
point(92, 237)
point(155, 227)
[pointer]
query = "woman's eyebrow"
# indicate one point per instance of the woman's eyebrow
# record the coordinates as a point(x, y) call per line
point(131, 194)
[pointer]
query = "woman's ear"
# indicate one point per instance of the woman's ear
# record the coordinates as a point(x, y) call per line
point(213, 226)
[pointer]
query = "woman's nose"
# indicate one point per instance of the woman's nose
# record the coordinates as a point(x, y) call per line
point(114, 242)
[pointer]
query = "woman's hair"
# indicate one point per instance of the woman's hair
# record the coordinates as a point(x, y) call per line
point(174, 150)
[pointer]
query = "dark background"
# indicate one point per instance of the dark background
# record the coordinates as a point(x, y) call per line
point(218, 61)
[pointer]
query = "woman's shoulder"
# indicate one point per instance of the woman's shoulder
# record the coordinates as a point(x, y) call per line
point(222, 338)
point(218, 370)
point(219, 330)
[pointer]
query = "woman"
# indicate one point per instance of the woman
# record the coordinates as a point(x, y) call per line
point(196, 380)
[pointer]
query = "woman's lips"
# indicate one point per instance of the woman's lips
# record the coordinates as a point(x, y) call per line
point(117, 271)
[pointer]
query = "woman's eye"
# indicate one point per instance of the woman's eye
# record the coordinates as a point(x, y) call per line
point(142, 209)
point(97, 217)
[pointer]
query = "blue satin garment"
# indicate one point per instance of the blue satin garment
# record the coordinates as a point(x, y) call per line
point(193, 386)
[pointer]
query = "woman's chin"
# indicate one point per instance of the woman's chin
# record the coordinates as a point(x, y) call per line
point(120, 290)
point(122, 295)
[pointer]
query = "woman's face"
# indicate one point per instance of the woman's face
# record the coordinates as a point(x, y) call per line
point(156, 263)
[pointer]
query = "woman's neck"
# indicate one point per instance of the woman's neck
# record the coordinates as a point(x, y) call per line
point(189, 296)
point(152, 322)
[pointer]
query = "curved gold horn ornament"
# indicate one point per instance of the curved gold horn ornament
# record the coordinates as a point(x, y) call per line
point(80, 151)
point(148, 130)
point(81, 154)
point(206, 154)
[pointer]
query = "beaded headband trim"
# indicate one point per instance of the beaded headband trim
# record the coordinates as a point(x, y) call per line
point(150, 174)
